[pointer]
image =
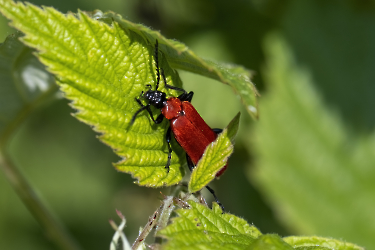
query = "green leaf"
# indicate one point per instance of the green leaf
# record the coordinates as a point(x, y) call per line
point(102, 72)
point(202, 228)
point(315, 173)
point(313, 242)
point(215, 157)
point(269, 242)
point(24, 85)
point(103, 66)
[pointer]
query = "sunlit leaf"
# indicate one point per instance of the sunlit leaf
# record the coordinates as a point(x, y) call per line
point(202, 228)
point(102, 69)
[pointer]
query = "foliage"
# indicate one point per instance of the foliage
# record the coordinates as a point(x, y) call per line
point(103, 72)
point(102, 62)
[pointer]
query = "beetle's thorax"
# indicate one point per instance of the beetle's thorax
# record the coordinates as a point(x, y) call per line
point(172, 109)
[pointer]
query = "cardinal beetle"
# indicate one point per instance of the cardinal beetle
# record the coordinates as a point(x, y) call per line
point(188, 127)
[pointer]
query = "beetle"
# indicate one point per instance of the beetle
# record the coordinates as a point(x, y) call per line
point(188, 127)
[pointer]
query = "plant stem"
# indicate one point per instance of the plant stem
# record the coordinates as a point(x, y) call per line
point(53, 228)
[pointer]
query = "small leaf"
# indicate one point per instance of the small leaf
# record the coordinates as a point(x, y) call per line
point(202, 228)
point(215, 157)
point(270, 242)
point(315, 242)
point(24, 84)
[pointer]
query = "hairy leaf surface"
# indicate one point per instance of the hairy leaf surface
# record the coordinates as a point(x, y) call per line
point(102, 69)
point(202, 228)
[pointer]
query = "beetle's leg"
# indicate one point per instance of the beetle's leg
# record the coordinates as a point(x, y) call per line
point(186, 96)
point(143, 107)
point(170, 86)
point(147, 107)
point(189, 163)
point(175, 88)
point(168, 138)
point(191, 166)
point(216, 199)
point(158, 120)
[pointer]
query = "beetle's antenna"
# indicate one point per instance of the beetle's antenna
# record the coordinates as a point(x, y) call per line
point(157, 64)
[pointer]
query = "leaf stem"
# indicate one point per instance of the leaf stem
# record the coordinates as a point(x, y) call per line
point(54, 229)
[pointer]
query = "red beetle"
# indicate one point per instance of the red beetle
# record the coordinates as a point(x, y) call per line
point(190, 130)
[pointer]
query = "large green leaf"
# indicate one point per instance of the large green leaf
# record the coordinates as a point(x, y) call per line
point(103, 66)
point(317, 175)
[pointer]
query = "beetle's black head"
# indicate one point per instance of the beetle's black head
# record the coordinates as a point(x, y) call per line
point(156, 98)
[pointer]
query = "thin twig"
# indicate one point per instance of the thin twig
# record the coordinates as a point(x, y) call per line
point(146, 230)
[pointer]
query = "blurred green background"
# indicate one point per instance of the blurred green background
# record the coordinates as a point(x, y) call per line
point(307, 167)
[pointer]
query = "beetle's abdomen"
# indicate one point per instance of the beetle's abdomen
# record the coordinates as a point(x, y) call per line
point(192, 132)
